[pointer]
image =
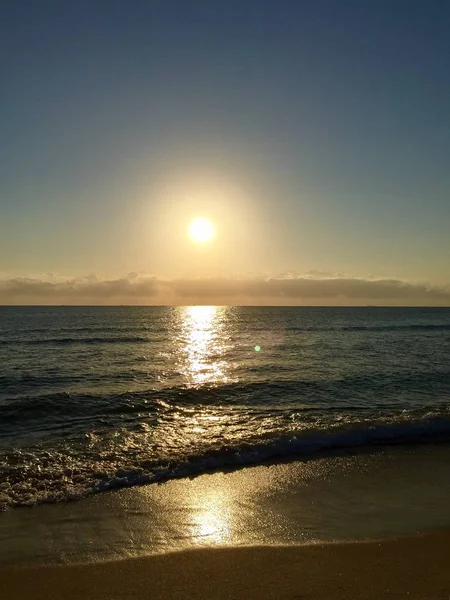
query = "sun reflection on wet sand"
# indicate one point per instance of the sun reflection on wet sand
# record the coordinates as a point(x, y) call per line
point(211, 518)
point(203, 345)
point(243, 507)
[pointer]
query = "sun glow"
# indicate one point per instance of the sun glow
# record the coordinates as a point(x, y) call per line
point(201, 230)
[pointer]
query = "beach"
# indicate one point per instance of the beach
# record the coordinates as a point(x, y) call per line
point(386, 493)
point(372, 525)
point(415, 567)
point(154, 453)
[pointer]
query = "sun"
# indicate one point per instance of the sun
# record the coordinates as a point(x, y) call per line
point(201, 230)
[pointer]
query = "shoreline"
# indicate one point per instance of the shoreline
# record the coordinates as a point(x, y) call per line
point(377, 496)
point(411, 567)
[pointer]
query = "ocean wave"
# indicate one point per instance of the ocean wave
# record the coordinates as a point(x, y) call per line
point(80, 340)
point(405, 327)
point(372, 328)
point(27, 479)
point(24, 386)
point(90, 338)
point(349, 393)
point(65, 407)
point(90, 329)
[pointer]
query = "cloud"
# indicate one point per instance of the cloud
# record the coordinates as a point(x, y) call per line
point(310, 289)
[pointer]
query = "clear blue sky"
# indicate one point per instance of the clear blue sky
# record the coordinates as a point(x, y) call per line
point(314, 134)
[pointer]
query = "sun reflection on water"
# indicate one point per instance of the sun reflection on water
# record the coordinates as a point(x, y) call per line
point(203, 344)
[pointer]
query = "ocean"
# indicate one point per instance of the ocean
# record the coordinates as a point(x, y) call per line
point(96, 398)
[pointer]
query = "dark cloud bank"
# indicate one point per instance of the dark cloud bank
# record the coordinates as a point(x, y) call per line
point(293, 290)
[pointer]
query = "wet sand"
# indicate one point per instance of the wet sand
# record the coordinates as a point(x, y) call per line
point(245, 534)
point(414, 567)
point(385, 494)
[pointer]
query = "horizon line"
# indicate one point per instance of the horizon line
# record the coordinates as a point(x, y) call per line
point(226, 305)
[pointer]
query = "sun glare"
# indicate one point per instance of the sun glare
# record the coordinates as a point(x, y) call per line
point(201, 230)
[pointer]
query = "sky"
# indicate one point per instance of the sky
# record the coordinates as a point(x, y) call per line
point(314, 135)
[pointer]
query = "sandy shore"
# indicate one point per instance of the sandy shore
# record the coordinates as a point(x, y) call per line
point(385, 494)
point(413, 567)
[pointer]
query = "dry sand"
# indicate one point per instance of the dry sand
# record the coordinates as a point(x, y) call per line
point(413, 567)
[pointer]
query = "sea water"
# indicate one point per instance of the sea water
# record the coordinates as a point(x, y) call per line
point(94, 398)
